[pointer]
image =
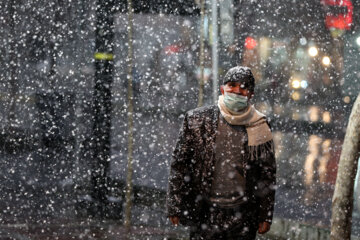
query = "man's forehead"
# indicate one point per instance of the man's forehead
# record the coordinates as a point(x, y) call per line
point(237, 83)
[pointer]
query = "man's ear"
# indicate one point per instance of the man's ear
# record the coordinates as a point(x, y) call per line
point(222, 89)
point(250, 95)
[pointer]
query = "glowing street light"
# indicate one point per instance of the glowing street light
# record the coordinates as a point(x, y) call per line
point(326, 117)
point(358, 41)
point(314, 112)
point(295, 96)
point(304, 84)
point(326, 61)
point(313, 52)
point(295, 83)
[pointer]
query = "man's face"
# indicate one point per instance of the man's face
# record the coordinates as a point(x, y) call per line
point(237, 88)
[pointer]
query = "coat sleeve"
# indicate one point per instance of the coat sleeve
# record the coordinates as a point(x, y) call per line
point(266, 184)
point(179, 171)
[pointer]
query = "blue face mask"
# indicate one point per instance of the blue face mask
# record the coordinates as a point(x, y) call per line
point(235, 102)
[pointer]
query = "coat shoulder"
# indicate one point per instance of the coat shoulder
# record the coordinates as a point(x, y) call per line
point(202, 111)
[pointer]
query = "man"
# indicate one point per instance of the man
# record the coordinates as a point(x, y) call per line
point(222, 179)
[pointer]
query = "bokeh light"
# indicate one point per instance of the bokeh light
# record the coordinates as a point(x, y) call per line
point(313, 51)
point(326, 61)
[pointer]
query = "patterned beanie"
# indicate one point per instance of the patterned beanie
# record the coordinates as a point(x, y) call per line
point(242, 75)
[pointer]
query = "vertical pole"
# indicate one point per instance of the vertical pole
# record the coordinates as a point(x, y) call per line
point(53, 44)
point(201, 82)
point(342, 202)
point(214, 14)
point(13, 63)
point(130, 113)
point(102, 102)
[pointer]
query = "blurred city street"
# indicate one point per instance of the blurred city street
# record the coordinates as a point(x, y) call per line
point(93, 94)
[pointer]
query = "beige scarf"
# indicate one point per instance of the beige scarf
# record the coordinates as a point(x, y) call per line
point(255, 122)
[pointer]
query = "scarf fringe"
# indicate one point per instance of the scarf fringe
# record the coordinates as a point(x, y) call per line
point(259, 151)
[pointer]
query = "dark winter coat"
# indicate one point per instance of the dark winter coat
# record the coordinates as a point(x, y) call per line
point(193, 165)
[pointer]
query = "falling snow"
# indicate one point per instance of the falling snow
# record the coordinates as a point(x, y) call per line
point(67, 123)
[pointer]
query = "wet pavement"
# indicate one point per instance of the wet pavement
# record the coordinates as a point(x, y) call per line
point(45, 216)
point(53, 212)
point(93, 230)
point(41, 215)
point(88, 229)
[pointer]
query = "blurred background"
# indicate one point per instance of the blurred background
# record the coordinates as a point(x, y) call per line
point(64, 101)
